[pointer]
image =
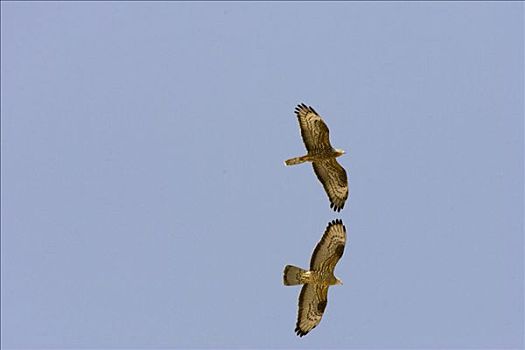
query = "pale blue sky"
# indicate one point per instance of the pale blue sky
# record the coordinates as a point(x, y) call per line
point(145, 202)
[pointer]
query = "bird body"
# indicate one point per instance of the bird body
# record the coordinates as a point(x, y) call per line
point(318, 155)
point(314, 293)
point(293, 277)
point(323, 156)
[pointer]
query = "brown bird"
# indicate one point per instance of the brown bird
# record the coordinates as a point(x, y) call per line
point(314, 294)
point(315, 136)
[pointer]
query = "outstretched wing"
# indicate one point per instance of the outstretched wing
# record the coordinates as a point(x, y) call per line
point(312, 302)
point(313, 129)
point(335, 182)
point(330, 248)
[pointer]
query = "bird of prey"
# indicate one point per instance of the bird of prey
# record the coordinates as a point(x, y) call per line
point(322, 155)
point(314, 294)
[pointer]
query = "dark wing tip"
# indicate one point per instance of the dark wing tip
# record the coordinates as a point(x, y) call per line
point(304, 108)
point(335, 207)
point(300, 108)
point(300, 332)
point(336, 222)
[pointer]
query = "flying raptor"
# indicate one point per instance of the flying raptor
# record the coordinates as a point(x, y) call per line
point(314, 294)
point(322, 155)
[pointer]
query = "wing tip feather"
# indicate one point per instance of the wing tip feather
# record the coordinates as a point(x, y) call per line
point(336, 222)
point(300, 332)
point(303, 108)
point(336, 207)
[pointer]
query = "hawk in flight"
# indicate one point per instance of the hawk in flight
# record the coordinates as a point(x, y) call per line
point(322, 155)
point(314, 294)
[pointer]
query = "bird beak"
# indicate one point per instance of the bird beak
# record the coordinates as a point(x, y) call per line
point(340, 282)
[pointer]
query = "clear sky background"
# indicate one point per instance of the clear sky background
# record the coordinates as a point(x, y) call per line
point(145, 202)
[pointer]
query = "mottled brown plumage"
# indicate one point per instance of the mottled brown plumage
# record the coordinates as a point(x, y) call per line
point(316, 138)
point(314, 294)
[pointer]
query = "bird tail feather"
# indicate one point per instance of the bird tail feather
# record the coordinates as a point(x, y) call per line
point(296, 160)
point(292, 275)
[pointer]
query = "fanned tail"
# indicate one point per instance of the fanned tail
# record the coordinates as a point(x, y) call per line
point(296, 160)
point(292, 275)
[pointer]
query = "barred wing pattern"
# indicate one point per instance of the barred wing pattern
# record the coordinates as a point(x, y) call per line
point(330, 248)
point(335, 182)
point(314, 297)
point(312, 303)
point(314, 131)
